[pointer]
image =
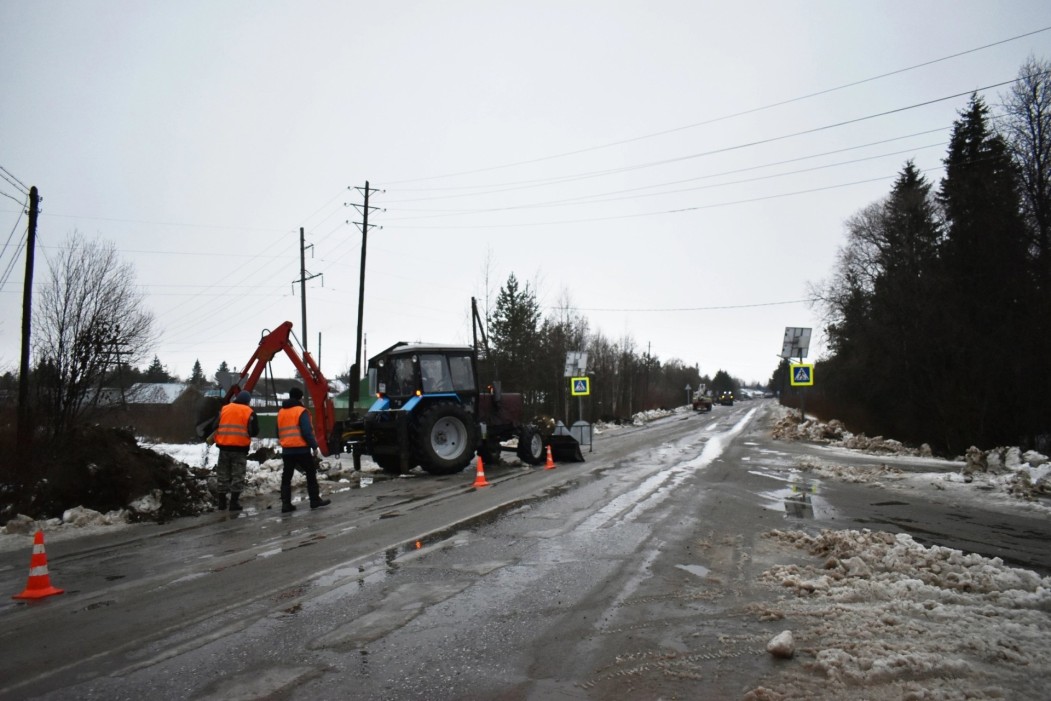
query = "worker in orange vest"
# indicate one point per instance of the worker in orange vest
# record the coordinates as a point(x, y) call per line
point(233, 434)
point(299, 448)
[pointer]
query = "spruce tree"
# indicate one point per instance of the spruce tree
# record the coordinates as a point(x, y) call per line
point(985, 304)
point(514, 336)
point(197, 375)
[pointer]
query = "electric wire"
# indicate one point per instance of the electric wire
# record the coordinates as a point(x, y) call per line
point(610, 196)
point(721, 173)
point(12, 197)
point(10, 177)
point(783, 137)
point(728, 116)
point(634, 310)
point(680, 210)
point(11, 263)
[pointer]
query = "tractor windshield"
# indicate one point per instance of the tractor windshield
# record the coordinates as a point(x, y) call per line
point(402, 379)
point(435, 371)
point(446, 373)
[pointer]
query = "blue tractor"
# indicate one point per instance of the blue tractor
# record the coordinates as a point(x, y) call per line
point(431, 411)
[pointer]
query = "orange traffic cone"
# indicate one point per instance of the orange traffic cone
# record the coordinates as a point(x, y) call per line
point(550, 465)
point(39, 584)
point(479, 475)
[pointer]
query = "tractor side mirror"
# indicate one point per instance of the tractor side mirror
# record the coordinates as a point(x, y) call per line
point(373, 382)
point(497, 392)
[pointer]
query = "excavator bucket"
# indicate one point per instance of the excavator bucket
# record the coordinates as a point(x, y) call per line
point(207, 415)
point(565, 449)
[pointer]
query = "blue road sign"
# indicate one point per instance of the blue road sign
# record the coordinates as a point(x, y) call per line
point(802, 374)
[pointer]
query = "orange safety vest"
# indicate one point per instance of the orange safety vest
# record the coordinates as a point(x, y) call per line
point(288, 433)
point(232, 431)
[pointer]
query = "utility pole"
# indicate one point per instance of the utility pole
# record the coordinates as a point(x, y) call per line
point(303, 277)
point(363, 226)
point(23, 430)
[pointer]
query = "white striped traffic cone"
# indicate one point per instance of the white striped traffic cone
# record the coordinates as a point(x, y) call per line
point(39, 584)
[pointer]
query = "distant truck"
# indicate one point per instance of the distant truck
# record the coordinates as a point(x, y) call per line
point(702, 401)
point(726, 398)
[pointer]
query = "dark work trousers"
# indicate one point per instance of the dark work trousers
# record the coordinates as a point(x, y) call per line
point(304, 462)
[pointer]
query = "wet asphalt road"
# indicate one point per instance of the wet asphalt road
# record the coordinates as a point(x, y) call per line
point(632, 574)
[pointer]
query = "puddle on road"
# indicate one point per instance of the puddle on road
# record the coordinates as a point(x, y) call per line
point(699, 570)
point(799, 499)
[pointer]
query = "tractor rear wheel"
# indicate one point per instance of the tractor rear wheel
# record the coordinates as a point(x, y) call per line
point(444, 438)
point(530, 446)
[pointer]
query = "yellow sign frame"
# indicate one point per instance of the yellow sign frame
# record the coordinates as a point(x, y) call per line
point(573, 386)
point(810, 374)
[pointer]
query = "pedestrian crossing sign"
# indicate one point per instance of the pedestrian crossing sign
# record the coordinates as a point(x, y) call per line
point(802, 374)
point(580, 386)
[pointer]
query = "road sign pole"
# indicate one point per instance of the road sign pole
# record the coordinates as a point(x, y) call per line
point(802, 399)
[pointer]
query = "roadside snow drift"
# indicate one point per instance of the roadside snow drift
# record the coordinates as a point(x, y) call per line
point(879, 616)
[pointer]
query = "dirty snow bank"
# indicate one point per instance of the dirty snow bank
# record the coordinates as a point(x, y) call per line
point(1005, 470)
point(883, 616)
point(791, 428)
point(262, 478)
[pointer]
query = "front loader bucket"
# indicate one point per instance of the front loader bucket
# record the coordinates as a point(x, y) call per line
point(565, 449)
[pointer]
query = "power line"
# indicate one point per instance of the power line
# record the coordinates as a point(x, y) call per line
point(687, 309)
point(783, 137)
point(11, 264)
point(702, 177)
point(13, 198)
point(18, 184)
point(599, 198)
point(14, 256)
point(724, 117)
point(638, 215)
point(171, 224)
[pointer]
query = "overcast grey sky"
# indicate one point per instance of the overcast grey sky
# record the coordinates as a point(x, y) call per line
point(678, 171)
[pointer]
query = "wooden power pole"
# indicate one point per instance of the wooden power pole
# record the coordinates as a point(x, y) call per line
point(23, 435)
point(355, 379)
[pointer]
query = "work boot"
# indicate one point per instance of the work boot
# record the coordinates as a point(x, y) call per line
point(287, 506)
point(318, 503)
point(220, 501)
point(235, 501)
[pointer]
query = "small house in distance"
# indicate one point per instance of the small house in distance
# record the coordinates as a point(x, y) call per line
point(162, 411)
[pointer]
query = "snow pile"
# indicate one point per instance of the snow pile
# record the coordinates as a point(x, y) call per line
point(791, 428)
point(1024, 475)
point(851, 473)
point(262, 479)
point(882, 613)
point(644, 417)
point(77, 517)
point(1008, 470)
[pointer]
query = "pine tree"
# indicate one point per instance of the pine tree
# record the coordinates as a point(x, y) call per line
point(513, 335)
point(156, 372)
point(197, 375)
point(986, 303)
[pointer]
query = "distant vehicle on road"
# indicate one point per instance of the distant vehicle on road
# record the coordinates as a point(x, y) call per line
point(726, 398)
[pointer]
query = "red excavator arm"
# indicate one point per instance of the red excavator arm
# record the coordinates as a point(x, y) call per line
point(316, 385)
